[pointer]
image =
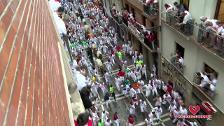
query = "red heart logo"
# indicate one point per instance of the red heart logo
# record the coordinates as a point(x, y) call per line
point(194, 109)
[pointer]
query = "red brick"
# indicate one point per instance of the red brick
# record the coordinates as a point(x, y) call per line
point(2, 7)
point(5, 23)
point(10, 74)
point(43, 84)
point(8, 44)
point(14, 4)
point(22, 72)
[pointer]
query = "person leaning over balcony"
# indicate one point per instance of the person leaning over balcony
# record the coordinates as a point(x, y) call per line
point(186, 24)
point(180, 61)
point(207, 25)
point(178, 10)
point(212, 29)
point(151, 38)
point(204, 80)
point(219, 38)
point(151, 6)
point(169, 9)
point(213, 82)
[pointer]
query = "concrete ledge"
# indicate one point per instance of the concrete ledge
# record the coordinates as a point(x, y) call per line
point(77, 106)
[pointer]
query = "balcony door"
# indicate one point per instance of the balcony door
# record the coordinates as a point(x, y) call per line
point(219, 14)
point(185, 3)
point(180, 50)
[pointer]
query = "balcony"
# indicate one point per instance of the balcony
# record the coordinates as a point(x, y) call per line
point(137, 30)
point(186, 30)
point(151, 10)
point(175, 61)
point(204, 37)
point(136, 3)
point(170, 72)
point(205, 92)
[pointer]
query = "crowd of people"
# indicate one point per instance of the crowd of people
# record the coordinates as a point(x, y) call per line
point(212, 30)
point(178, 15)
point(97, 52)
point(209, 30)
point(150, 36)
point(207, 81)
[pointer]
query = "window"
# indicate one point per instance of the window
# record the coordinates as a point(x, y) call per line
point(207, 69)
point(144, 20)
point(179, 50)
point(185, 3)
point(219, 14)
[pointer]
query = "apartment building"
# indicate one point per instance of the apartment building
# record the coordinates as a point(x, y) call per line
point(197, 56)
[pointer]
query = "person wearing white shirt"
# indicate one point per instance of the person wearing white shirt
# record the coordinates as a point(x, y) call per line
point(166, 98)
point(132, 92)
point(205, 80)
point(186, 24)
point(169, 7)
point(176, 113)
point(108, 122)
point(148, 122)
point(132, 109)
point(144, 71)
point(142, 107)
point(158, 111)
point(181, 60)
point(158, 100)
point(133, 76)
point(172, 107)
point(154, 89)
point(213, 84)
point(183, 110)
point(148, 89)
point(107, 77)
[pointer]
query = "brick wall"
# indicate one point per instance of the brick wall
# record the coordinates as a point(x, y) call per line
point(31, 82)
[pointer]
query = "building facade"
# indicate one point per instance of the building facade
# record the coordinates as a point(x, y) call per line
point(197, 57)
point(34, 69)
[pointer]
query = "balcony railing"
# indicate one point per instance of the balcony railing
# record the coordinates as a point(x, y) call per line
point(177, 64)
point(172, 20)
point(206, 91)
point(137, 31)
point(171, 72)
point(205, 37)
point(151, 9)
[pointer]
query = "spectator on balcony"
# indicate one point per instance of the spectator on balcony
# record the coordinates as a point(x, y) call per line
point(180, 61)
point(187, 24)
point(203, 28)
point(204, 80)
point(150, 39)
point(151, 6)
point(169, 12)
point(213, 82)
point(179, 7)
point(208, 29)
point(220, 38)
